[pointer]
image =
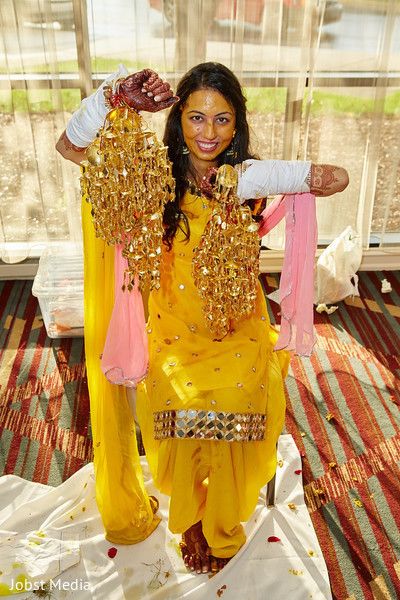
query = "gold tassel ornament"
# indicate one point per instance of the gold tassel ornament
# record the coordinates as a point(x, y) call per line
point(127, 179)
point(225, 264)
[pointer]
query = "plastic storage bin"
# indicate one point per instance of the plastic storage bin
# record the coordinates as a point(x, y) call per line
point(58, 286)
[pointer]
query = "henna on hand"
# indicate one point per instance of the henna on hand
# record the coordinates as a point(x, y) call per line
point(145, 90)
point(328, 179)
point(68, 145)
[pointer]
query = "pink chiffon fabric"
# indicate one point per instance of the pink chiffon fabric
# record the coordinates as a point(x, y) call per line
point(296, 290)
point(125, 356)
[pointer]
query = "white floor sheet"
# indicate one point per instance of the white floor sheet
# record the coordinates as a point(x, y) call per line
point(55, 535)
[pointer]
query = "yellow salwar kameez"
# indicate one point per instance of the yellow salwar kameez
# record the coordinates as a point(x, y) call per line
point(215, 481)
point(125, 508)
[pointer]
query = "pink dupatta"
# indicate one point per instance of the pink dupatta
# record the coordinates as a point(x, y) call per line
point(296, 290)
point(125, 356)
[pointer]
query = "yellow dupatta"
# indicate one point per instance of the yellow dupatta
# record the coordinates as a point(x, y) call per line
point(125, 507)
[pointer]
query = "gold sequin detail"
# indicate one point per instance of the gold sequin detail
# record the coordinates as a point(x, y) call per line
point(189, 384)
point(239, 385)
point(225, 263)
point(117, 187)
point(181, 286)
point(192, 327)
point(296, 572)
point(210, 425)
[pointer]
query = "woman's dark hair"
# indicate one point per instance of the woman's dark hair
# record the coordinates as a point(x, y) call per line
point(214, 76)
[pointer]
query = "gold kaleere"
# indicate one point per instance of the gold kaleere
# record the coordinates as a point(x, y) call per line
point(225, 264)
point(127, 178)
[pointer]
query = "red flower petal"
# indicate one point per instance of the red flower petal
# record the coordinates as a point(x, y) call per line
point(273, 538)
point(112, 552)
point(298, 471)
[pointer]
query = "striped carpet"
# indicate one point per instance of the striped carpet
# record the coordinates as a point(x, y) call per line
point(343, 412)
point(44, 402)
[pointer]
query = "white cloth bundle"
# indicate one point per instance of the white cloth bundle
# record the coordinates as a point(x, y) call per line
point(336, 271)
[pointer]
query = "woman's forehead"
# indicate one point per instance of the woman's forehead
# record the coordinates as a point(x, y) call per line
point(208, 101)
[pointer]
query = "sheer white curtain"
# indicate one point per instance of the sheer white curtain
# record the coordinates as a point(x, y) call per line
point(353, 120)
point(322, 80)
point(38, 193)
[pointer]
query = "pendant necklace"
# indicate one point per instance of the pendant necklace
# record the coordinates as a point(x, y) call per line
point(196, 191)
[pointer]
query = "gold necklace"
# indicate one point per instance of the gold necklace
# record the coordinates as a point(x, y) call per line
point(193, 188)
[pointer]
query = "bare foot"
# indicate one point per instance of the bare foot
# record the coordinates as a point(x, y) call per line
point(196, 553)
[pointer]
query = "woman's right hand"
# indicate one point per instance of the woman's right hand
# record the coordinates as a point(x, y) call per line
point(142, 91)
point(145, 90)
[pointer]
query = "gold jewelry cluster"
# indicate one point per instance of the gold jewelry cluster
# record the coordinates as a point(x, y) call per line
point(226, 262)
point(127, 178)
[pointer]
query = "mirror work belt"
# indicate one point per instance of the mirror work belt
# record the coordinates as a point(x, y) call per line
point(209, 425)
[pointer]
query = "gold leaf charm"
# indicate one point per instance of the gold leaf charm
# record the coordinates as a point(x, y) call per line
point(128, 180)
point(226, 262)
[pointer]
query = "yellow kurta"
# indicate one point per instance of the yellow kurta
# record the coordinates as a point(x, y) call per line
point(124, 505)
point(214, 481)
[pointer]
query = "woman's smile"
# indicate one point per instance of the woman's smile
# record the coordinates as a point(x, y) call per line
point(207, 146)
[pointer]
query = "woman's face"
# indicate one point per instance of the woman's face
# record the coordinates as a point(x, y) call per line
point(208, 125)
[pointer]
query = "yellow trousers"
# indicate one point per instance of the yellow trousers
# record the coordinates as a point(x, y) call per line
point(216, 482)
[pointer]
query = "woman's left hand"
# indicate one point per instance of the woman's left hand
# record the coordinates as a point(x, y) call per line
point(326, 180)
